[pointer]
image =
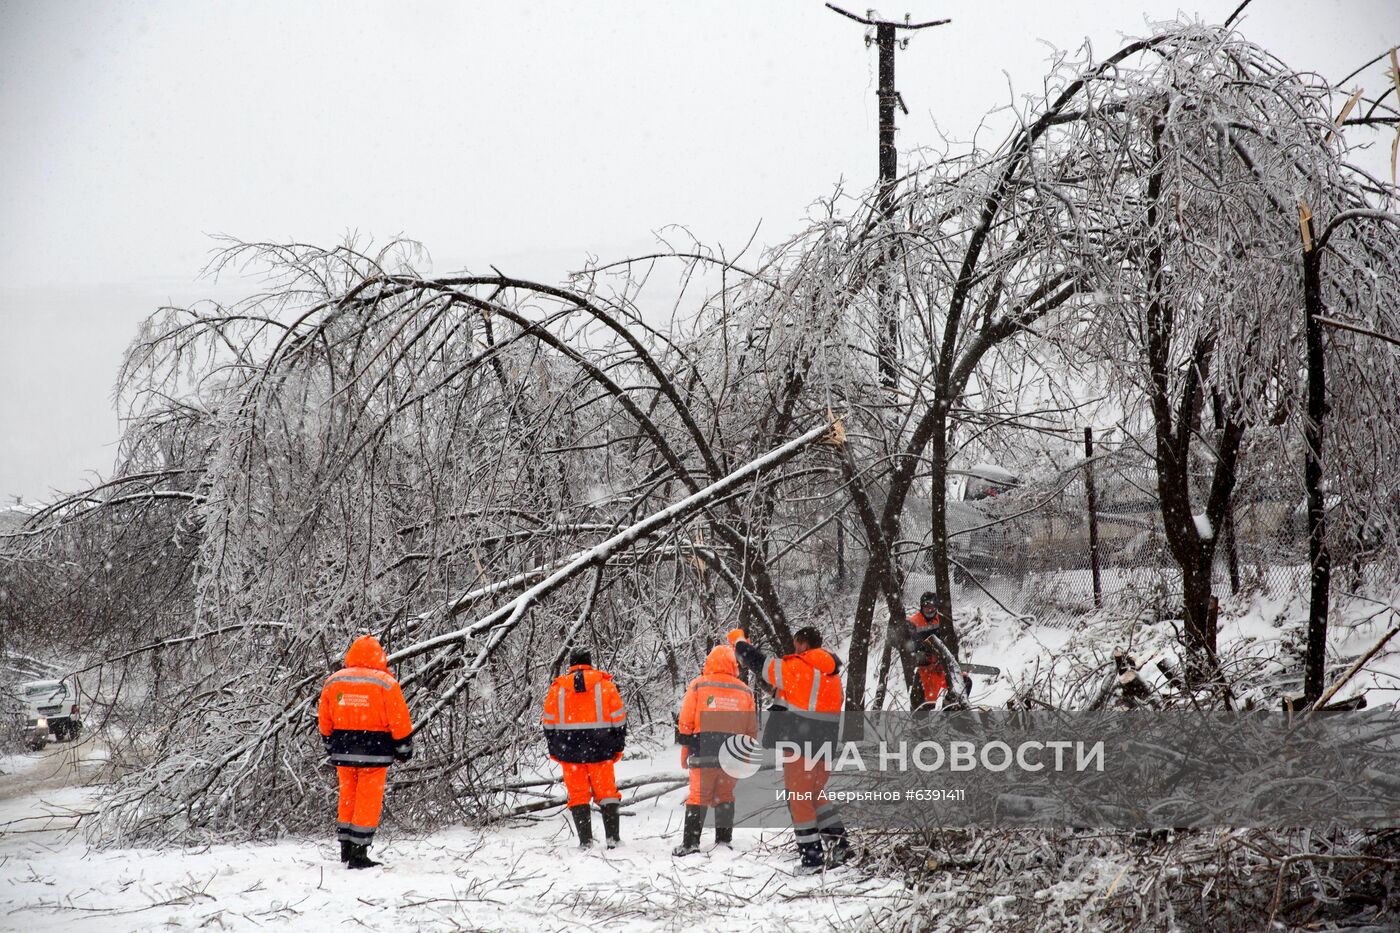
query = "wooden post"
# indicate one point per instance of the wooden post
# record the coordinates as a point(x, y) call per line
point(887, 339)
point(886, 38)
point(1232, 556)
point(1091, 495)
point(1232, 559)
point(1318, 557)
point(840, 554)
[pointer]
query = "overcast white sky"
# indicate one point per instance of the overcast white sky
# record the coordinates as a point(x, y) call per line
point(521, 134)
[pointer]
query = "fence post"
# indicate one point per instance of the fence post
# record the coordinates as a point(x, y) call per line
point(840, 553)
point(1232, 556)
point(1092, 497)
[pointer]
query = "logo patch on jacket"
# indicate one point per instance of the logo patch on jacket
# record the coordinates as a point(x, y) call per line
point(351, 699)
point(710, 700)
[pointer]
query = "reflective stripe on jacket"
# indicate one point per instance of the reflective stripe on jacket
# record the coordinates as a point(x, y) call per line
point(808, 687)
point(717, 705)
point(584, 720)
point(362, 710)
point(808, 683)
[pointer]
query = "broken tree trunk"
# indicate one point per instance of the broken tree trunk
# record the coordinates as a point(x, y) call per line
point(505, 618)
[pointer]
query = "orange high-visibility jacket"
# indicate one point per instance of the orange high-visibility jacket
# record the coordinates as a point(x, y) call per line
point(717, 705)
point(933, 676)
point(920, 626)
point(584, 720)
point(918, 620)
point(808, 685)
point(362, 710)
point(808, 682)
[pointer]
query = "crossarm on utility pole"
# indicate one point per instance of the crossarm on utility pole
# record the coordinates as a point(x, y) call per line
point(875, 22)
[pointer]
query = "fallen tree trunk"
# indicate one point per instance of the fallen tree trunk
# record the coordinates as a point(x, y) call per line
point(1351, 672)
point(668, 782)
point(502, 620)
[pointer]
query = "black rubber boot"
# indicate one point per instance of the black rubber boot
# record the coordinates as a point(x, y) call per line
point(838, 847)
point(359, 857)
point(690, 835)
point(345, 846)
point(612, 824)
point(724, 824)
point(583, 822)
point(812, 860)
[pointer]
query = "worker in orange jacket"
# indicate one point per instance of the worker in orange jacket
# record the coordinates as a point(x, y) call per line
point(933, 679)
point(365, 727)
point(717, 706)
point(808, 685)
point(585, 727)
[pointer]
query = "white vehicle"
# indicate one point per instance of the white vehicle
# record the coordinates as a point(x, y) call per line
point(18, 728)
point(51, 703)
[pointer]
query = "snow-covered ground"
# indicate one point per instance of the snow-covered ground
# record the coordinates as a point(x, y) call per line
point(523, 875)
point(527, 875)
point(59, 764)
point(1260, 643)
point(17, 764)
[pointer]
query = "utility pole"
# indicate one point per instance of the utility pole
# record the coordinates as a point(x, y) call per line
point(887, 338)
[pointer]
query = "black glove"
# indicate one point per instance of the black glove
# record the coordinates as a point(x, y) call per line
point(326, 743)
point(403, 752)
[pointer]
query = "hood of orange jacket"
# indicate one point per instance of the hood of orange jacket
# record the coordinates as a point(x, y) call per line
point(721, 660)
point(367, 652)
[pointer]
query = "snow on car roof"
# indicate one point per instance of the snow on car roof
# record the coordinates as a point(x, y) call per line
point(991, 472)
